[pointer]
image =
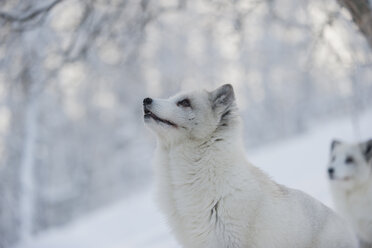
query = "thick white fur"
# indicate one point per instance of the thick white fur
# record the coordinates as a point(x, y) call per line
point(214, 198)
point(351, 187)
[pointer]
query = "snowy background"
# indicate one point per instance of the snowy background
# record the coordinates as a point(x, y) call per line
point(75, 158)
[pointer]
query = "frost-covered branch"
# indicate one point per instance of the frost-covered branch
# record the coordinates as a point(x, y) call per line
point(361, 14)
point(10, 17)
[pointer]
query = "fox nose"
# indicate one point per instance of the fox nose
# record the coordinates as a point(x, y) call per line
point(147, 101)
point(331, 171)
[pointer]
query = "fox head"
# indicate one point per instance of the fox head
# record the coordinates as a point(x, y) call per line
point(350, 164)
point(193, 115)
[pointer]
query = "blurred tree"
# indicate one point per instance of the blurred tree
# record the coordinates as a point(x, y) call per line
point(68, 67)
point(361, 13)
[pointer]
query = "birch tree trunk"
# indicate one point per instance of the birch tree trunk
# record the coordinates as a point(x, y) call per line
point(27, 196)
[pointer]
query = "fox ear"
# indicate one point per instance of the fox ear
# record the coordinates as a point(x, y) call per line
point(367, 149)
point(222, 97)
point(334, 144)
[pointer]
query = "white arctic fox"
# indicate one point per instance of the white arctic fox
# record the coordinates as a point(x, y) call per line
point(350, 174)
point(213, 197)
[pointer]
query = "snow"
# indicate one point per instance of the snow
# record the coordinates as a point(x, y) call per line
point(134, 222)
point(299, 162)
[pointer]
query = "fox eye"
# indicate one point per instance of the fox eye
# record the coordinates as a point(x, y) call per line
point(184, 103)
point(349, 160)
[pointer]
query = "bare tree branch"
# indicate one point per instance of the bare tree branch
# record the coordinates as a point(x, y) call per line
point(361, 13)
point(28, 16)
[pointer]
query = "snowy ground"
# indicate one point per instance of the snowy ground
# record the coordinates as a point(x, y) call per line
point(299, 162)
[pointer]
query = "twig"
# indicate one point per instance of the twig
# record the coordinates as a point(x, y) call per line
point(29, 16)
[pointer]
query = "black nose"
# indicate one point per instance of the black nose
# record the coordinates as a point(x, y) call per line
point(147, 101)
point(331, 171)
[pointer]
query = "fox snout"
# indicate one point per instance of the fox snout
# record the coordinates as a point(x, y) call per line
point(147, 101)
point(331, 172)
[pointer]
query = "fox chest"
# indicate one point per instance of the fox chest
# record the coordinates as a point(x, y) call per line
point(196, 196)
point(360, 205)
point(195, 189)
point(359, 213)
